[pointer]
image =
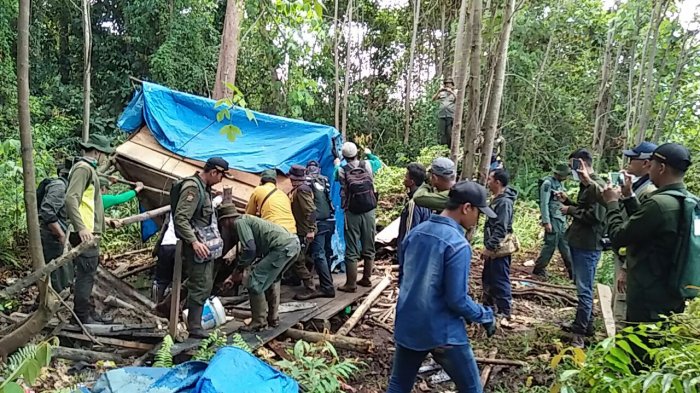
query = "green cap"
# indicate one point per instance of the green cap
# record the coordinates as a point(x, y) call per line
point(227, 210)
point(269, 174)
point(562, 170)
point(99, 143)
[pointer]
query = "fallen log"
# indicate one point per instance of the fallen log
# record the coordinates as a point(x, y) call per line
point(486, 372)
point(126, 254)
point(36, 275)
point(501, 362)
point(128, 292)
point(339, 341)
point(82, 355)
point(109, 341)
point(118, 223)
point(138, 270)
point(145, 187)
point(366, 304)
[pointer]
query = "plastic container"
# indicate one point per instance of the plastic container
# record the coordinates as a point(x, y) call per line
point(213, 313)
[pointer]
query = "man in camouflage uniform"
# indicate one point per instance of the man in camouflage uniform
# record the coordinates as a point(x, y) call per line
point(553, 221)
point(195, 209)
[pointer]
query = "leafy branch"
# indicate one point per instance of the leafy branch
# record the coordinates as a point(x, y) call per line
point(227, 105)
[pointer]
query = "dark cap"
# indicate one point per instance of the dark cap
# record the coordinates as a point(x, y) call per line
point(643, 151)
point(297, 172)
point(269, 174)
point(227, 210)
point(674, 155)
point(443, 166)
point(472, 193)
point(312, 163)
point(219, 164)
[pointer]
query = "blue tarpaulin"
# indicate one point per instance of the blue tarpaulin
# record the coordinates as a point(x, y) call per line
point(186, 124)
point(231, 370)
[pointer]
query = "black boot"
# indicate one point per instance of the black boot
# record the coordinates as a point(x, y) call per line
point(194, 322)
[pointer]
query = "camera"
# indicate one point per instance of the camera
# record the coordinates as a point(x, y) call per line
point(606, 243)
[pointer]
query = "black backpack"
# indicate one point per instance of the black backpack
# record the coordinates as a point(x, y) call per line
point(322, 196)
point(359, 187)
point(41, 190)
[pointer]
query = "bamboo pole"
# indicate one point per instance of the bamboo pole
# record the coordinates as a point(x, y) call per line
point(138, 217)
point(364, 307)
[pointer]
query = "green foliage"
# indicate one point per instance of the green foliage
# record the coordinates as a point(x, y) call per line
point(238, 342)
point(25, 365)
point(317, 367)
point(209, 346)
point(671, 347)
point(164, 356)
point(606, 269)
point(229, 104)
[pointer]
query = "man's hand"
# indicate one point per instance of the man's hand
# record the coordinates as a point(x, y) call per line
point(547, 227)
point(139, 187)
point(112, 179)
point(626, 185)
point(336, 162)
point(564, 210)
point(583, 174)
point(488, 254)
point(310, 237)
point(611, 194)
point(622, 281)
point(85, 235)
point(200, 249)
point(561, 196)
point(490, 327)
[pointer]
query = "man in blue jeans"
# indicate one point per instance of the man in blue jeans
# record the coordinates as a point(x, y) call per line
point(584, 236)
point(434, 302)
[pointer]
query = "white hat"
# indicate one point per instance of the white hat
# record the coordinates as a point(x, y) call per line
point(349, 150)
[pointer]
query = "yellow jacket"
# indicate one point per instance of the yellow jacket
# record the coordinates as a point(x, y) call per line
point(277, 208)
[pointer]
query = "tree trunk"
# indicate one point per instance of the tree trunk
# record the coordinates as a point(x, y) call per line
point(474, 118)
point(603, 95)
point(494, 107)
point(461, 74)
point(630, 76)
point(442, 52)
point(648, 81)
point(346, 86)
point(228, 52)
point(409, 76)
point(87, 65)
point(47, 304)
point(538, 79)
point(680, 64)
point(336, 78)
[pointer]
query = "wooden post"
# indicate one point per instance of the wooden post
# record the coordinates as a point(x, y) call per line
point(175, 294)
point(228, 195)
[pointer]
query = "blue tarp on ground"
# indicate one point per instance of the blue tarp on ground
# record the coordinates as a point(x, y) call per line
point(230, 371)
point(186, 124)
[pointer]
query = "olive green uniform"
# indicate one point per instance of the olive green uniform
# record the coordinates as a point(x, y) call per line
point(304, 211)
point(650, 236)
point(53, 210)
point(190, 213)
point(428, 196)
point(551, 214)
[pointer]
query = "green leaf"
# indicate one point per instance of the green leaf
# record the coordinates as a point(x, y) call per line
point(43, 355)
point(249, 114)
point(667, 382)
point(12, 387)
point(566, 375)
point(230, 86)
point(318, 7)
point(31, 372)
point(220, 115)
point(220, 102)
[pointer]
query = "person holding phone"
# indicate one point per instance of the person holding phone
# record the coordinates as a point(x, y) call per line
point(584, 237)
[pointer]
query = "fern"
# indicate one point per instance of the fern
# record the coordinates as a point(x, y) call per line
point(164, 356)
point(18, 358)
point(26, 364)
point(209, 346)
point(238, 342)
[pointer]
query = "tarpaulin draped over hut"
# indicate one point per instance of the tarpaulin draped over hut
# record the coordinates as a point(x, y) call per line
point(186, 126)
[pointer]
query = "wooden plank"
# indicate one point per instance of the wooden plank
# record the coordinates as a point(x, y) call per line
point(388, 234)
point(109, 341)
point(605, 297)
point(329, 309)
point(176, 287)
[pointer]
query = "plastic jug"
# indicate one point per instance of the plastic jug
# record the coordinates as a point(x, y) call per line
point(213, 313)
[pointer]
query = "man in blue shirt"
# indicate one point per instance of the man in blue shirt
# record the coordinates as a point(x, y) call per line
point(434, 303)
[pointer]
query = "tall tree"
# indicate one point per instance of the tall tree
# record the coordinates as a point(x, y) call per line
point(228, 52)
point(680, 66)
point(496, 94)
point(336, 78)
point(474, 119)
point(604, 91)
point(346, 86)
point(47, 303)
point(87, 65)
point(461, 75)
point(409, 74)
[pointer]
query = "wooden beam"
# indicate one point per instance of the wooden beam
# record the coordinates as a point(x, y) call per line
point(114, 223)
point(605, 297)
point(486, 372)
point(364, 307)
point(109, 341)
point(175, 292)
point(343, 342)
point(82, 355)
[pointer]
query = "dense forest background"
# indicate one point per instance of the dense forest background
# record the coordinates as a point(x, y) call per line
point(581, 73)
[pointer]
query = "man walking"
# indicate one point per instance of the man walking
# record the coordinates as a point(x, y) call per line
point(446, 111)
point(496, 274)
point(196, 225)
point(433, 195)
point(434, 302)
point(51, 197)
point(553, 221)
point(584, 236)
point(651, 235)
point(320, 248)
point(412, 214)
point(86, 214)
point(359, 201)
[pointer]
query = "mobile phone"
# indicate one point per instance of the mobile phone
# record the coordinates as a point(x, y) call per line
point(617, 178)
point(576, 164)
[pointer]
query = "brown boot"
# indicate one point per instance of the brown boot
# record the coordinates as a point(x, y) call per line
point(272, 296)
point(194, 322)
point(367, 274)
point(351, 280)
point(258, 307)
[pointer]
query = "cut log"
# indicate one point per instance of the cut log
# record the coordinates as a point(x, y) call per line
point(82, 355)
point(118, 223)
point(125, 290)
point(486, 372)
point(366, 304)
point(145, 187)
point(138, 270)
point(35, 276)
point(605, 297)
point(343, 342)
point(109, 341)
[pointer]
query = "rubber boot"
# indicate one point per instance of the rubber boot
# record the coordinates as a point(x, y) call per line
point(367, 274)
point(351, 280)
point(194, 322)
point(272, 295)
point(258, 307)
